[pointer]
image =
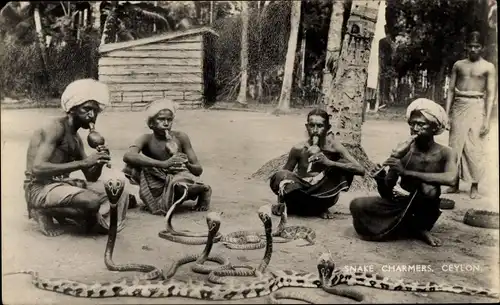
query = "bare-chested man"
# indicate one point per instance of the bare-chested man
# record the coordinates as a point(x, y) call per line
point(160, 160)
point(55, 151)
point(473, 80)
point(423, 166)
point(323, 170)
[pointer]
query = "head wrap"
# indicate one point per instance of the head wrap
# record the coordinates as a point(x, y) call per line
point(432, 111)
point(156, 106)
point(82, 91)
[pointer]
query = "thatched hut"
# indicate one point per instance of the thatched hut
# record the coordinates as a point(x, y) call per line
point(178, 65)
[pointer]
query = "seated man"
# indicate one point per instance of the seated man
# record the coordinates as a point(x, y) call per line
point(55, 151)
point(324, 169)
point(160, 160)
point(422, 166)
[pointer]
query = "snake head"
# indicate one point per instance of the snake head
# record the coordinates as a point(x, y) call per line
point(213, 221)
point(325, 267)
point(114, 189)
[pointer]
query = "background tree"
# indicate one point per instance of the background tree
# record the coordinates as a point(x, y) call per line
point(242, 96)
point(286, 89)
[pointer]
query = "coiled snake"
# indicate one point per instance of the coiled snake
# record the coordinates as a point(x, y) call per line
point(248, 240)
point(183, 237)
point(264, 284)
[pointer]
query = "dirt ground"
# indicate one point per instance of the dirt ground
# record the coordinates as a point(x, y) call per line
point(231, 146)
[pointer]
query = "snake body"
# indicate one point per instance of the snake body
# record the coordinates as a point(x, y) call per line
point(219, 275)
point(331, 277)
point(257, 287)
point(187, 238)
point(114, 189)
point(213, 223)
point(248, 240)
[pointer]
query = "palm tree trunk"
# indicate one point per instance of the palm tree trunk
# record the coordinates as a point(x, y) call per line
point(286, 88)
point(242, 96)
point(346, 103)
point(96, 15)
point(334, 45)
point(40, 35)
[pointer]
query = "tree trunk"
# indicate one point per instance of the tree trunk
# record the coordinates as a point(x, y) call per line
point(260, 10)
point(40, 35)
point(242, 96)
point(286, 87)
point(346, 102)
point(96, 15)
point(334, 45)
point(347, 92)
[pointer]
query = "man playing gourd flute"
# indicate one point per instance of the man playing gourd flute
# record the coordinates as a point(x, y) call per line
point(323, 166)
point(55, 151)
point(162, 161)
point(410, 209)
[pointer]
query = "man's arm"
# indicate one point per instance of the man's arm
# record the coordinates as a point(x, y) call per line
point(193, 164)
point(293, 159)
point(134, 157)
point(352, 165)
point(490, 92)
point(41, 165)
point(451, 88)
point(448, 177)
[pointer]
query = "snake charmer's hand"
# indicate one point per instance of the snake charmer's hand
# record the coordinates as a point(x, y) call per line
point(395, 165)
point(99, 157)
point(174, 162)
point(319, 158)
point(377, 172)
point(485, 129)
point(103, 148)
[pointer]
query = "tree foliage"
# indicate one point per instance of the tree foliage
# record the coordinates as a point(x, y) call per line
point(431, 34)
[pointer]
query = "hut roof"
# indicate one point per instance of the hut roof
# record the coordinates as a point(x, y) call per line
point(157, 38)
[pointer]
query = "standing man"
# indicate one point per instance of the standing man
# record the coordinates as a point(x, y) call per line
point(55, 151)
point(469, 103)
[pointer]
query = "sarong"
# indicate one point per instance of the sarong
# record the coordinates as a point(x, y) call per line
point(306, 199)
point(377, 218)
point(59, 192)
point(466, 115)
point(157, 188)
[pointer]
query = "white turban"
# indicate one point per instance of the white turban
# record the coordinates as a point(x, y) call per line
point(84, 90)
point(432, 111)
point(155, 107)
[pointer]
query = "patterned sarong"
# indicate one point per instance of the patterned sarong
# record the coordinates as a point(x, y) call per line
point(157, 188)
point(467, 115)
point(308, 199)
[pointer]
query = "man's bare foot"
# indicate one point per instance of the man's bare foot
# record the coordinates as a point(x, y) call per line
point(203, 203)
point(474, 191)
point(452, 190)
point(46, 225)
point(430, 239)
point(327, 215)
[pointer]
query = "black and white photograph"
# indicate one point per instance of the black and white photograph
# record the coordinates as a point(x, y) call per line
point(257, 152)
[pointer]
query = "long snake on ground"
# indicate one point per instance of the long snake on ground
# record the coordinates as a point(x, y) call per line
point(263, 284)
point(203, 290)
point(330, 277)
point(183, 237)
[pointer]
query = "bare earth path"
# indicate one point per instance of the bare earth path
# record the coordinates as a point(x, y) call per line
point(231, 146)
